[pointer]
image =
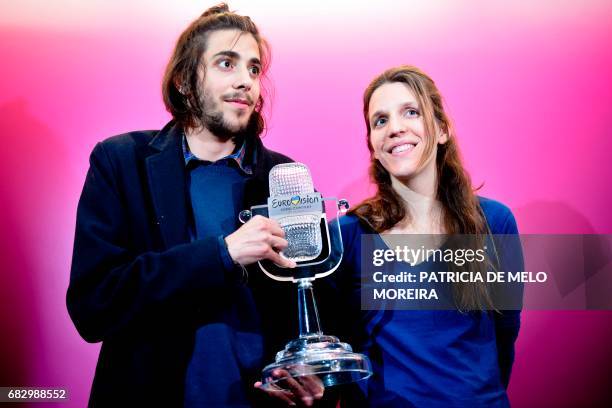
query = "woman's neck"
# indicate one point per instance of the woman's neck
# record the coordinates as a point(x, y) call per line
point(425, 213)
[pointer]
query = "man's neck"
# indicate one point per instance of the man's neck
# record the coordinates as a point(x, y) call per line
point(207, 146)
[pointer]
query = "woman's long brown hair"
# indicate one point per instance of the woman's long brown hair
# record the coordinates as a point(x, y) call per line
point(461, 210)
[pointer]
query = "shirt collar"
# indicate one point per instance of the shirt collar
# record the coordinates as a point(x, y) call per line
point(237, 156)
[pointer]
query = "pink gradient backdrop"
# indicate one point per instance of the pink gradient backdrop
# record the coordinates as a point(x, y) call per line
point(528, 86)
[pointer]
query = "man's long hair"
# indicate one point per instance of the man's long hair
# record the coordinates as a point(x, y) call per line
point(461, 210)
point(181, 86)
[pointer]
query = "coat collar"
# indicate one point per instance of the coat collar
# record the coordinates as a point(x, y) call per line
point(167, 183)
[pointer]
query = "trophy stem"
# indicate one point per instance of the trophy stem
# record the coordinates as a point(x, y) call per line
point(307, 310)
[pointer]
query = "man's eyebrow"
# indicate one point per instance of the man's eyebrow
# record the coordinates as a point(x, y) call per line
point(235, 55)
point(228, 53)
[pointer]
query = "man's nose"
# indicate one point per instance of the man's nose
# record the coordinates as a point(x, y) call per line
point(244, 79)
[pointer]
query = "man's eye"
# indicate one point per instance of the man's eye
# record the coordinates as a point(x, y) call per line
point(380, 122)
point(226, 64)
point(255, 70)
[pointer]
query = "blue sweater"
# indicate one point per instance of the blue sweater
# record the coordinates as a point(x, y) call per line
point(424, 358)
point(231, 344)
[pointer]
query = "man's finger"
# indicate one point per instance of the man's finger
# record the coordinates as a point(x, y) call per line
point(279, 260)
point(278, 243)
point(276, 229)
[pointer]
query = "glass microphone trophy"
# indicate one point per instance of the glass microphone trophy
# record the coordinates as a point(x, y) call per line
point(316, 247)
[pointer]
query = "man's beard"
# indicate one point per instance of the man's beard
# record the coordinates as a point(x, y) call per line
point(214, 120)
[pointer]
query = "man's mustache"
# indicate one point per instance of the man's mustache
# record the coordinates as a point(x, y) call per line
point(238, 96)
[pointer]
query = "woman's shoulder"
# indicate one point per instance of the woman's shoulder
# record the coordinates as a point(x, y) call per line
point(352, 229)
point(498, 216)
point(352, 224)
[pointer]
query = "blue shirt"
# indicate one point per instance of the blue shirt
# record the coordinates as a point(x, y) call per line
point(430, 358)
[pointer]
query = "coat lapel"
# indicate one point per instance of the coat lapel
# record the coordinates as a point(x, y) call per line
point(167, 182)
point(256, 189)
point(166, 178)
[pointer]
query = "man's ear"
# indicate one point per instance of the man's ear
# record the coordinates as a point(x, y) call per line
point(178, 84)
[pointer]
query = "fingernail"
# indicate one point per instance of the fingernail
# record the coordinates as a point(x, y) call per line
point(307, 401)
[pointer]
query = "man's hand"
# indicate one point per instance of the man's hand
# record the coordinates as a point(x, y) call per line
point(260, 238)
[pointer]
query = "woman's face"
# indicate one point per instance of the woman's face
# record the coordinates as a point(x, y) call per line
point(397, 131)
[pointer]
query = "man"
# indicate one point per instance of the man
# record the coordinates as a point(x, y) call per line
point(158, 271)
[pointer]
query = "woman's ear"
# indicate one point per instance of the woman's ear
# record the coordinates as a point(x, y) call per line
point(441, 132)
point(442, 138)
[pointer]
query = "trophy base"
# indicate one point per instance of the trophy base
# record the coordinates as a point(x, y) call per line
point(331, 361)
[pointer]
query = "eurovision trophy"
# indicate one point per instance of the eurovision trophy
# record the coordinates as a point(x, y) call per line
point(316, 247)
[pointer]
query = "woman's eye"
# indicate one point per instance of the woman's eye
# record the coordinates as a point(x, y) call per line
point(380, 122)
point(411, 113)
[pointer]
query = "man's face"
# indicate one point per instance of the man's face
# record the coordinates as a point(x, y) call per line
point(230, 81)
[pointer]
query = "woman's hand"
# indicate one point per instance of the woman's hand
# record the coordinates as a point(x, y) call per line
point(300, 391)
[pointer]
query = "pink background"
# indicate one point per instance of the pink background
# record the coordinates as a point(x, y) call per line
point(527, 83)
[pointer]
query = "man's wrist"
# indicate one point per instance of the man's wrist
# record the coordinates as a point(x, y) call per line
point(237, 270)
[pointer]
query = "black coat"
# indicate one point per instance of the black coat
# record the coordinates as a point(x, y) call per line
point(139, 285)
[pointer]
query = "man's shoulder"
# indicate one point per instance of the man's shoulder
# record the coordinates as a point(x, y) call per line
point(275, 157)
point(128, 142)
point(127, 149)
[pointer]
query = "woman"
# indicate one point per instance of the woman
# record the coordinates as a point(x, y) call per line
point(429, 358)
point(460, 357)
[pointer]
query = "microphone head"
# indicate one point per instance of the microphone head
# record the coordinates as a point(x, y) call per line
point(290, 179)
